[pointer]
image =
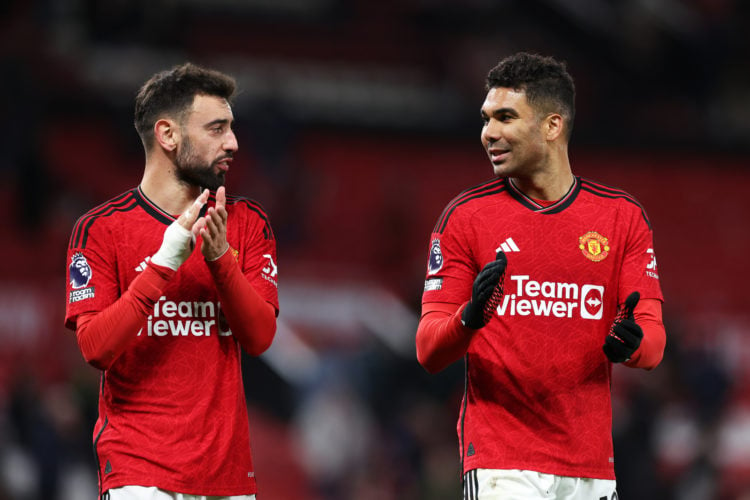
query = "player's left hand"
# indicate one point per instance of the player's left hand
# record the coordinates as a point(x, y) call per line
point(625, 335)
point(212, 228)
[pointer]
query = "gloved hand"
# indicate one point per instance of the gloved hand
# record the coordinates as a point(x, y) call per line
point(625, 335)
point(486, 293)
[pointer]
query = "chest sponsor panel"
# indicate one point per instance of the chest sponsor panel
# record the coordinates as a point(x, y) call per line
point(525, 296)
point(185, 319)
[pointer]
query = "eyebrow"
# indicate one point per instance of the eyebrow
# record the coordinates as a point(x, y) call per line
point(500, 111)
point(218, 121)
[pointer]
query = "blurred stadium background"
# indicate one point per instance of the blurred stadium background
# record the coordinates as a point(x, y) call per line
point(357, 121)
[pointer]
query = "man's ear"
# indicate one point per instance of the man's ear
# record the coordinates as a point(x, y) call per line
point(553, 126)
point(167, 134)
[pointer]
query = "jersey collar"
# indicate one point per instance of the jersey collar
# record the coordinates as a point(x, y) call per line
point(153, 209)
point(554, 208)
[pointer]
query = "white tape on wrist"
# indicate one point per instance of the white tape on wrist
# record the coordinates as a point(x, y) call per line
point(176, 247)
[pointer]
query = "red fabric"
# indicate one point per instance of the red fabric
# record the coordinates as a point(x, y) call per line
point(545, 203)
point(104, 335)
point(442, 339)
point(172, 411)
point(253, 319)
point(648, 316)
point(537, 380)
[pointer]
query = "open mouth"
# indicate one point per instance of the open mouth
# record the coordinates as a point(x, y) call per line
point(498, 155)
point(223, 164)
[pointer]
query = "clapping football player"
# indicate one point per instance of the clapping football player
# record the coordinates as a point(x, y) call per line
point(167, 282)
point(539, 280)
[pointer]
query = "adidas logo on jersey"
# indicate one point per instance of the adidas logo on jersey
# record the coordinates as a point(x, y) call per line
point(508, 246)
point(142, 266)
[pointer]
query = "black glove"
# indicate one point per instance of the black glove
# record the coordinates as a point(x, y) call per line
point(625, 335)
point(486, 293)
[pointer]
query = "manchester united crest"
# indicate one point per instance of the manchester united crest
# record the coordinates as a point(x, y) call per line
point(594, 246)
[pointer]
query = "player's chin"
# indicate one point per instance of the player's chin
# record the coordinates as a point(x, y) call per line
point(500, 169)
point(216, 181)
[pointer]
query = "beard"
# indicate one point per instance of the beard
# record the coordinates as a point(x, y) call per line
point(194, 171)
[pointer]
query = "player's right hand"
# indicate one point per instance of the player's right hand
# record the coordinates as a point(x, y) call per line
point(486, 293)
point(189, 216)
point(179, 240)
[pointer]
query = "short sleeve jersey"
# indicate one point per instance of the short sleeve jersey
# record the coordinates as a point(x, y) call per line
point(537, 381)
point(172, 410)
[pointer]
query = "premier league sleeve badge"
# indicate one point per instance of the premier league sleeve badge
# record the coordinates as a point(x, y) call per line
point(80, 273)
point(436, 257)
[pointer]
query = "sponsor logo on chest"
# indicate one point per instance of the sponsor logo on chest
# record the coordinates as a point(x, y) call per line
point(527, 297)
point(184, 319)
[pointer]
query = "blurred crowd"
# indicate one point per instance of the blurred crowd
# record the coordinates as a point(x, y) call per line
point(357, 121)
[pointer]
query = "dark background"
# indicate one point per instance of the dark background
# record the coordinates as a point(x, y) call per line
point(357, 122)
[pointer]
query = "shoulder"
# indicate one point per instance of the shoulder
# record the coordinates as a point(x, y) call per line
point(611, 194)
point(120, 204)
point(252, 210)
point(470, 200)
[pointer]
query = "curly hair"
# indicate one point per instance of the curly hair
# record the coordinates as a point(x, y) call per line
point(170, 93)
point(548, 86)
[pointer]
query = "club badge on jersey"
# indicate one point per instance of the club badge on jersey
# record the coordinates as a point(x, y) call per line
point(594, 246)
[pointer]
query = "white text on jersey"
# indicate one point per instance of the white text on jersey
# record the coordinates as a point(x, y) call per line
point(180, 319)
point(549, 298)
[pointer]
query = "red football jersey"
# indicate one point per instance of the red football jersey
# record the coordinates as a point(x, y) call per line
point(172, 410)
point(537, 381)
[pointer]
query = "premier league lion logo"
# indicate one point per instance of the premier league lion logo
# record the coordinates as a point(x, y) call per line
point(80, 271)
point(436, 257)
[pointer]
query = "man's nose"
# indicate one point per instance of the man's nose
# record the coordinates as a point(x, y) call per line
point(230, 142)
point(492, 130)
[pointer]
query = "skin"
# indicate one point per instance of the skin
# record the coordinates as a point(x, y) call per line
point(198, 147)
point(190, 152)
point(531, 149)
point(525, 145)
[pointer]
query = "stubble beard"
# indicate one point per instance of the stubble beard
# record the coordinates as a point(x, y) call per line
point(193, 171)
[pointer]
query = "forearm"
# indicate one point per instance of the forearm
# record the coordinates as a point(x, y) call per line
point(441, 337)
point(648, 315)
point(104, 335)
point(251, 318)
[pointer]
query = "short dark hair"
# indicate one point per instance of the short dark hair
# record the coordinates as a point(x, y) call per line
point(171, 93)
point(548, 86)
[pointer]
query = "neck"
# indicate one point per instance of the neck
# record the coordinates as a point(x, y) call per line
point(161, 186)
point(551, 181)
point(548, 187)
